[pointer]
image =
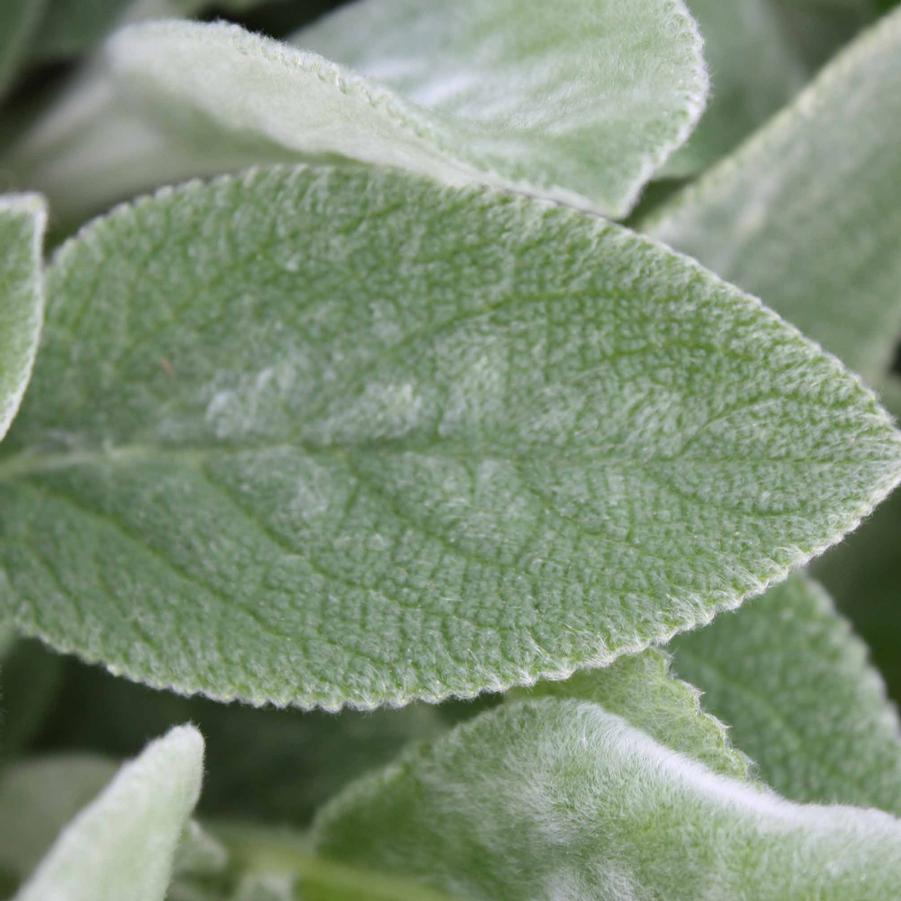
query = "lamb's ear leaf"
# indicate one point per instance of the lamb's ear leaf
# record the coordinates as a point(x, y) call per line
point(863, 573)
point(642, 689)
point(22, 221)
point(123, 843)
point(560, 798)
point(414, 442)
point(579, 101)
point(807, 213)
point(794, 683)
point(18, 20)
point(740, 37)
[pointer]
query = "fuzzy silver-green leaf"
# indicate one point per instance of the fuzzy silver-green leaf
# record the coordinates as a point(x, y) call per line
point(560, 799)
point(642, 689)
point(328, 436)
point(121, 846)
point(581, 101)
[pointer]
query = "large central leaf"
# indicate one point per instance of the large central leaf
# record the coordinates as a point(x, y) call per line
point(321, 436)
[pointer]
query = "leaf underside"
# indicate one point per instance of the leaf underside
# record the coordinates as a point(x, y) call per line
point(323, 436)
point(557, 798)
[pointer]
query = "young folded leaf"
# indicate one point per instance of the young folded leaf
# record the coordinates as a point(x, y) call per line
point(740, 37)
point(579, 101)
point(794, 684)
point(22, 221)
point(327, 436)
point(642, 690)
point(560, 799)
point(807, 213)
point(121, 846)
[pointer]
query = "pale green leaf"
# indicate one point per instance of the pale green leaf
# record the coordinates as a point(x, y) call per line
point(18, 19)
point(642, 689)
point(121, 846)
point(807, 213)
point(794, 683)
point(754, 70)
point(22, 221)
point(560, 799)
point(580, 101)
point(346, 436)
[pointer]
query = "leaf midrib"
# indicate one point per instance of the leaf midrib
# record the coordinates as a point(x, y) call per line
point(25, 464)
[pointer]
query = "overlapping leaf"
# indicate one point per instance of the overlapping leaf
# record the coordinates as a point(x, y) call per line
point(122, 845)
point(794, 684)
point(558, 798)
point(579, 101)
point(22, 220)
point(807, 213)
point(323, 436)
point(642, 689)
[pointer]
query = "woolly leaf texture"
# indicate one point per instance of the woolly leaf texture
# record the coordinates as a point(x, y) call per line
point(580, 101)
point(347, 436)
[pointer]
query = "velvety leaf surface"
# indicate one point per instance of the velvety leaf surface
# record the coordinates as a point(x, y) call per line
point(754, 70)
point(121, 846)
point(807, 213)
point(576, 98)
point(22, 221)
point(326, 436)
point(642, 690)
point(559, 798)
point(794, 684)
point(580, 101)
